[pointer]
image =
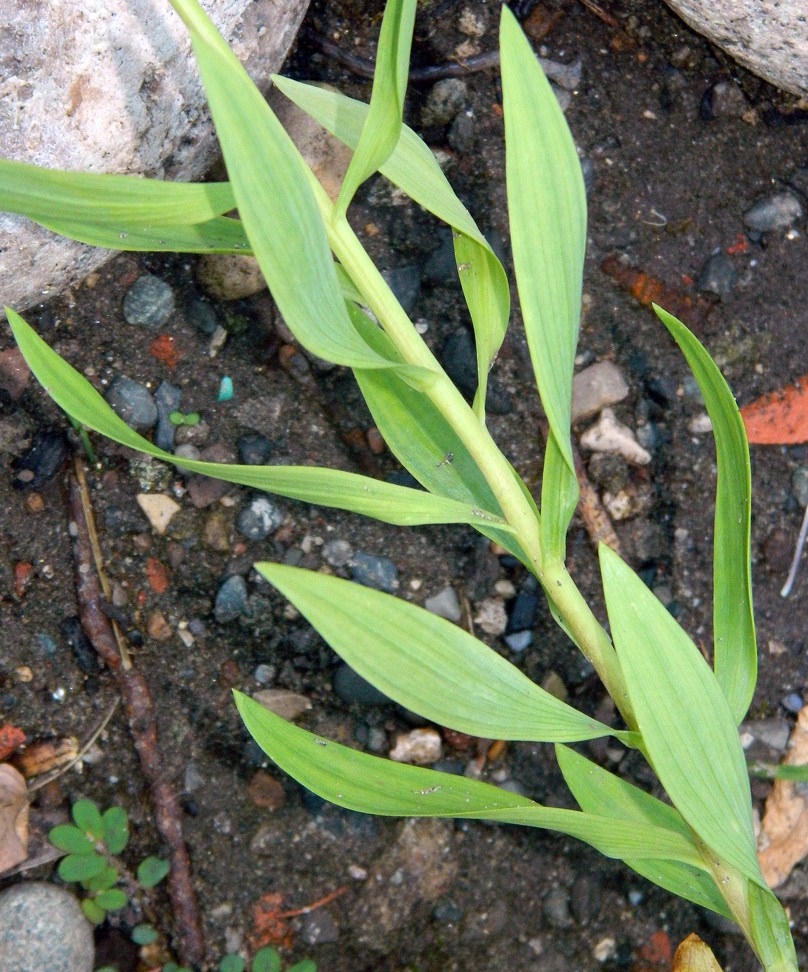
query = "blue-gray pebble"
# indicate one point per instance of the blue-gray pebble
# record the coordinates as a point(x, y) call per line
point(149, 302)
point(378, 572)
point(259, 519)
point(231, 600)
point(133, 402)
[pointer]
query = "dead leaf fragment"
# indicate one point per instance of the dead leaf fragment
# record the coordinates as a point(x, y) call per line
point(779, 418)
point(13, 818)
point(44, 755)
point(783, 840)
point(693, 955)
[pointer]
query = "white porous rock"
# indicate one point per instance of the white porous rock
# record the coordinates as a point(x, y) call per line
point(770, 37)
point(596, 387)
point(609, 435)
point(111, 86)
point(419, 747)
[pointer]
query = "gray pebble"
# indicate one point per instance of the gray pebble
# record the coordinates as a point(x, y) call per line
point(586, 898)
point(519, 641)
point(443, 102)
point(718, 276)
point(378, 572)
point(254, 449)
point(167, 399)
point(231, 600)
point(202, 316)
point(799, 485)
point(556, 908)
point(727, 100)
point(149, 302)
point(318, 927)
point(259, 519)
point(778, 211)
point(42, 928)
point(351, 687)
point(608, 471)
point(264, 673)
point(792, 703)
point(567, 76)
point(461, 133)
point(133, 402)
point(445, 604)
point(588, 173)
point(337, 553)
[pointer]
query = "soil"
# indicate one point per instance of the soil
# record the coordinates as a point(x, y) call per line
point(671, 185)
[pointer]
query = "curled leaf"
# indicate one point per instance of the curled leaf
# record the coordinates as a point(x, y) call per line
point(693, 955)
point(13, 818)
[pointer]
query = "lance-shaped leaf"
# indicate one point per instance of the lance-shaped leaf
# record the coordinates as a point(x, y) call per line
point(547, 215)
point(113, 201)
point(328, 487)
point(372, 785)
point(219, 235)
point(383, 123)
point(598, 791)
point(413, 168)
point(734, 650)
point(428, 664)
point(687, 727)
point(770, 931)
point(270, 182)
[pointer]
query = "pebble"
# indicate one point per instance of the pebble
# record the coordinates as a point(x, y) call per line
point(607, 471)
point(775, 212)
point(159, 510)
point(16, 431)
point(523, 611)
point(254, 449)
point(586, 898)
point(42, 460)
point(42, 927)
point(459, 358)
point(158, 628)
point(405, 282)
point(230, 276)
point(556, 908)
point(792, 703)
point(491, 616)
point(319, 927)
point(718, 276)
point(609, 435)
point(445, 604)
point(288, 705)
point(266, 792)
point(14, 373)
point(799, 485)
point(553, 684)
point(133, 402)
point(264, 673)
point(588, 173)
point(519, 641)
point(461, 135)
point(723, 100)
point(566, 76)
point(773, 733)
point(259, 519)
point(167, 399)
point(216, 533)
point(440, 269)
point(349, 686)
point(83, 651)
point(595, 388)
point(202, 315)
point(231, 600)
point(444, 101)
point(337, 553)
point(149, 302)
point(419, 747)
point(700, 424)
point(377, 572)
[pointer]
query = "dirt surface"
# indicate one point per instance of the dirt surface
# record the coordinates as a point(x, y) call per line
point(671, 185)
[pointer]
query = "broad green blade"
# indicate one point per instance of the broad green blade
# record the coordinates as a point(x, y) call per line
point(219, 235)
point(383, 123)
point(413, 168)
point(688, 730)
point(428, 664)
point(114, 201)
point(598, 791)
point(547, 213)
point(270, 182)
point(770, 931)
point(372, 785)
point(734, 650)
point(327, 487)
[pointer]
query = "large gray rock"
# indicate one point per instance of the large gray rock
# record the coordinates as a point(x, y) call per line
point(770, 37)
point(42, 929)
point(111, 86)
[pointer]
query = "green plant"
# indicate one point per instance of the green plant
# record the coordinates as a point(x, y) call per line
point(184, 418)
point(680, 713)
point(94, 843)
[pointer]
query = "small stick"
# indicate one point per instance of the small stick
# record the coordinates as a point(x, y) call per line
point(326, 899)
point(598, 11)
point(593, 513)
point(795, 563)
point(140, 713)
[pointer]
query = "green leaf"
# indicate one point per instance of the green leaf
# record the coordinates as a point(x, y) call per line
point(275, 200)
point(111, 899)
point(232, 963)
point(688, 730)
point(547, 213)
point(328, 487)
point(559, 498)
point(734, 650)
point(93, 911)
point(88, 818)
point(382, 126)
point(770, 930)
point(598, 791)
point(115, 824)
point(143, 935)
point(79, 867)
point(69, 838)
point(369, 784)
point(151, 871)
point(101, 881)
point(428, 664)
point(413, 168)
point(219, 235)
point(113, 201)
point(266, 960)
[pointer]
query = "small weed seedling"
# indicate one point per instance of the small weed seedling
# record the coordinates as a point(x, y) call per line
point(680, 712)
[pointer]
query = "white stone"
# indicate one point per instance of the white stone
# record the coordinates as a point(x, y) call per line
point(491, 616)
point(770, 37)
point(609, 435)
point(111, 86)
point(288, 705)
point(700, 424)
point(596, 387)
point(420, 747)
point(42, 928)
point(159, 510)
